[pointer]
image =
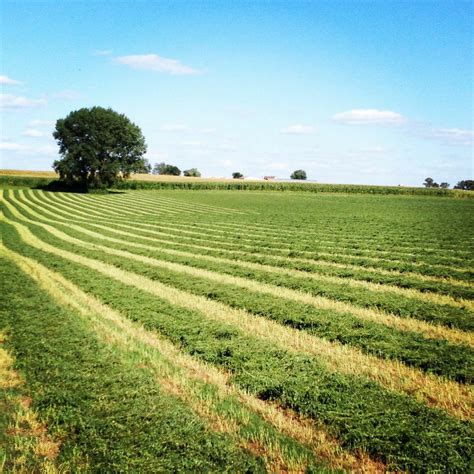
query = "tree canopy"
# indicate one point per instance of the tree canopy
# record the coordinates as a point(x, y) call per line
point(163, 168)
point(466, 184)
point(192, 172)
point(298, 174)
point(237, 175)
point(98, 147)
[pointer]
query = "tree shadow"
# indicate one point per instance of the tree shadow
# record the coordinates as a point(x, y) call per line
point(58, 186)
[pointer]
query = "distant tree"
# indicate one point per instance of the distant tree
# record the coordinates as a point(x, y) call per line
point(298, 174)
point(163, 168)
point(444, 185)
point(466, 184)
point(145, 168)
point(192, 172)
point(430, 183)
point(99, 147)
point(237, 175)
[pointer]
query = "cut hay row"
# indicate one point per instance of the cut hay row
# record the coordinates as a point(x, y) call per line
point(28, 442)
point(430, 355)
point(298, 232)
point(204, 387)
point(390, 320)
point(177, 239)
point(317, 254)
point(343, 358)
point(423, 295)
point(440, 452)
point(389, 289)
point(408, 293)
point(252, 236)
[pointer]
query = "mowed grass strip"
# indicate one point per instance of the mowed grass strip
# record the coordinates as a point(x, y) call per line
point(308, 241)
point(435, 356)
point(100, 404)
point(361, 414)
point(420, 268)
point(308, 233)
point(204, 388)
point(401, 323)
point(25, 444)
point(400, 302)
point(293, 244)
point(434, 391)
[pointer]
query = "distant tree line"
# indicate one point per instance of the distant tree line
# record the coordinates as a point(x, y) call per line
point(467, 185)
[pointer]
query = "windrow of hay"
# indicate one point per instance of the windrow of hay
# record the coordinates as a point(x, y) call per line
point(387, 319)
point(379, 271)
point(181, 375)
point(204, 236)
point(434, 391)
point(29, 435)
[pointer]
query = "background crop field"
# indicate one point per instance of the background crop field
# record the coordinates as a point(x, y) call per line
point(212, 331)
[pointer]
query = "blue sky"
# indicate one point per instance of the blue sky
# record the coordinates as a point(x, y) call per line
point(376, 92)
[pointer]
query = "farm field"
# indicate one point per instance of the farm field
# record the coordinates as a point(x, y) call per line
point(252, 331)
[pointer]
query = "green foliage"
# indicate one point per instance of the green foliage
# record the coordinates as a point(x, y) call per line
point(163, 168)
point(467, 185)
point(363, 415)
point(237, 175)
point(109, 415)
point(298, 174)
point(99, 147)
point(144, 167)
point(192, 172)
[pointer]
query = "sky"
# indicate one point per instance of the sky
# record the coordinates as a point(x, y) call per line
point(354, 91)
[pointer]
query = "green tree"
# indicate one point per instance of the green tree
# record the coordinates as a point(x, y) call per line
point(192, 172)
point(298, 174)
point(237, 175)
point(163, 168)
point(430, 183)
point(145, 168)
point(466, 184)
point(444, 185)
point(99, 147)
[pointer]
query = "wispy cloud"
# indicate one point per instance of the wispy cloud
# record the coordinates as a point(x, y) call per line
point(174, 127)
point(369, 116)
point(298, 129)
point(33, 132)
point(42, 123)
point(153, 62)
point(48, 150)
point(9, 81)
point(9, 101)
point(455, 136)
point(10, 146)
point(67, 94)
point(102, 52)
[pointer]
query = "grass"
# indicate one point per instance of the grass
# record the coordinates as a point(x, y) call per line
point(344, 342)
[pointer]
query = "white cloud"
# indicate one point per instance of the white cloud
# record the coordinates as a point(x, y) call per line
point(276, 166)
point(66, 94)
point(42, 123)
point(9, 101)
point(102, 52)
point(454, 135)
point(9, 81)
point(10, 146)
point(369, 116)
point(298, 130)
point(49, 150)
point(206, 130)
point(174, 127)
point(153, 62)
point(33, 132)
